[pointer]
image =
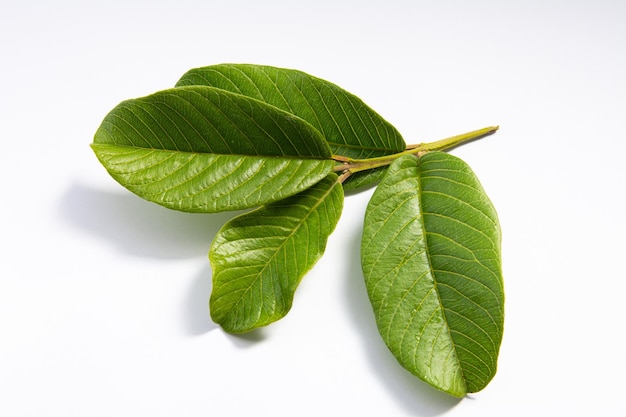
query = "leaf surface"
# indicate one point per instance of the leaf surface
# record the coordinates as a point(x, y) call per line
point(351, 128)
point(203, 149)
point(431, 260)
point(259, 258)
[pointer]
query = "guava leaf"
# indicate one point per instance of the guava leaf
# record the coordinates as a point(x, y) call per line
point(431, 260)
point(351, 128)
point(259, 258)
point(203, 149)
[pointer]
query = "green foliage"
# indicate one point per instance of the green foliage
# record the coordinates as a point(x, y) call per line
point(431, 259)
point(203, 149)
point(286, 144)
point(259, 258)
point(350, 127)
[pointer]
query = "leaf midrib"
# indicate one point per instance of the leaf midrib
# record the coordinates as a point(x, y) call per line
point(174, 151)
point(432, 269)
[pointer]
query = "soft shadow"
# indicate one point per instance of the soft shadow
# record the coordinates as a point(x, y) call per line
point(247, 340)
point(197, 319)
point(138, 227)
point(415, 396)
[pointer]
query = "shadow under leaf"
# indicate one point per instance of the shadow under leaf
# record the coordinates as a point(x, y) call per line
point(139, 227)
point(416, 396)
point(197, 320)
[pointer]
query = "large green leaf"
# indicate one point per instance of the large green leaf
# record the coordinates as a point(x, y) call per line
point(431, 260)
point(203, 149)
point(259, 258)
point(351, 128)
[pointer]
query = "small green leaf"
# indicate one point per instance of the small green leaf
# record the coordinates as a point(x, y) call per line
point(259, 258)
point(203, 149)
point(351, 128)
point(431, 260)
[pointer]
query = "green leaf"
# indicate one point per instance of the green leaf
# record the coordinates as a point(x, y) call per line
point(203, 149)
point(259, 258)
point(431, 260)
point(351, 128)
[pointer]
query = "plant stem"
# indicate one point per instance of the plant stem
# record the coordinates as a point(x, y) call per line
point(357, 165)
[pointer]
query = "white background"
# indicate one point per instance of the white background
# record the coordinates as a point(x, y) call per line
point(103, 296)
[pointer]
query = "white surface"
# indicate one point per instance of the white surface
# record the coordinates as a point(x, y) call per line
point(103, 297)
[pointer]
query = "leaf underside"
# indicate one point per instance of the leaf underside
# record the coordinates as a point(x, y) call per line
point(351, 128)
point(259, 258)
point(203, 149)
point(431, 261)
